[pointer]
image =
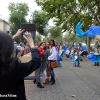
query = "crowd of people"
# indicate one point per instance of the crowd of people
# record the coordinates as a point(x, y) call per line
point(75, 53)
point(13, 71)
point(49, 53)
point(20, 49)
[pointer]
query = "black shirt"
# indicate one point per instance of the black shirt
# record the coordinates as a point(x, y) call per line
point(12, 83)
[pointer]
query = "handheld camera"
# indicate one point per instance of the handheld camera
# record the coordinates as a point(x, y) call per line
point(30, 28)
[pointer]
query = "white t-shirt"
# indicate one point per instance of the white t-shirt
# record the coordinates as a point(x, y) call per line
point(53, 54)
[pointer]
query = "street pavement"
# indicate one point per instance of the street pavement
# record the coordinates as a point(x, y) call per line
point(72, 83)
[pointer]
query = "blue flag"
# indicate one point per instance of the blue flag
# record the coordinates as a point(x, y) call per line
point(91, 32)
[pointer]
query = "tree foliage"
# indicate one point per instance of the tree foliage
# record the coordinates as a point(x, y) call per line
point(53, 32)
point(41, 21)
point(73, 39)
point(38, 38)
point(18, 12)
point(67, 13)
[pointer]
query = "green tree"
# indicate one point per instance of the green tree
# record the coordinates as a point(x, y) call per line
point(67, 13)
point(18, 12)
point(92, 8)
point(72, 38)
point(38, 38)
point(55, 33)
point(41, 21)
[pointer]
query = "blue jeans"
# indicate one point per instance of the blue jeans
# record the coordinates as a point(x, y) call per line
point(52, 73)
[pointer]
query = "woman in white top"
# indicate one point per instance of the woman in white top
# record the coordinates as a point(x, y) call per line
point(52, 58)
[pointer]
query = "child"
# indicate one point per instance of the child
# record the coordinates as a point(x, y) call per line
point(76, 58)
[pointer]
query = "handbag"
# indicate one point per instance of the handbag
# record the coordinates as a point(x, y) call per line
point(48, 72)
point(54, 64)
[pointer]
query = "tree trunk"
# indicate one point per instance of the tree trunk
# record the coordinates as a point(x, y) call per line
point(88, 44)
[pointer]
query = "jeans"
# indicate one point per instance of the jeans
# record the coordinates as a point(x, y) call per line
point(52, 73)
point(37, 75)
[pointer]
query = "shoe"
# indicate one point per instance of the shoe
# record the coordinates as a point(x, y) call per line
point(39, 85)
point(75, 65)
point(34, 81)
point(81, 59)
point(46, 81)
point(52, 82)
point(95, 64)
point(78, 65)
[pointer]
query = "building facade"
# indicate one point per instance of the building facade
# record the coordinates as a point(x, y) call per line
point(4, 26)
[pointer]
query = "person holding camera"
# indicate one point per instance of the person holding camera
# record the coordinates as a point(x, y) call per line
point(12, 72)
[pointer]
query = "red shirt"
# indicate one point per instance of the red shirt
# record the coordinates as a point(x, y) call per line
point(41, 51)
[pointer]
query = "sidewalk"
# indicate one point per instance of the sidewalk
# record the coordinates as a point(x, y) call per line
point(81, 82)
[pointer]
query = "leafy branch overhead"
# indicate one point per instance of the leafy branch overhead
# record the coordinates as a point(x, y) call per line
point(41, 21)
point(67, 13)
point(55, 33)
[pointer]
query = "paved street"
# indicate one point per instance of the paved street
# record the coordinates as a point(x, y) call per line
point(72, 83)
